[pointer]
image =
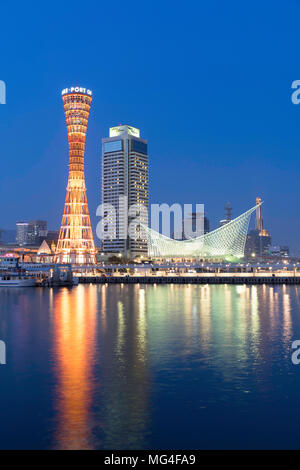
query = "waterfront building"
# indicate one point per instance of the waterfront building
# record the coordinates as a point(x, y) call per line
point(37, 231)
point(125, 183)
point(224, 243)
point(279, 251)
point(284, 251)
point(76, 242)
point(257, 245)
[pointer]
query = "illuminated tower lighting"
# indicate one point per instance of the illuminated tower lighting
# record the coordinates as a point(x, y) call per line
point(76, 243)
point(259, 224)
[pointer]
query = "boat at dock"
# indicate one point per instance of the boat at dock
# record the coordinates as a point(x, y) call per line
point(14, 279)
point(12, 275)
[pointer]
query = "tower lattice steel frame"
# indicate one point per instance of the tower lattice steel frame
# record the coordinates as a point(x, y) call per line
point(76, 242)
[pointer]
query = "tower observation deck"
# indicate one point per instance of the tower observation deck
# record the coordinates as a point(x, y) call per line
point(76, 243)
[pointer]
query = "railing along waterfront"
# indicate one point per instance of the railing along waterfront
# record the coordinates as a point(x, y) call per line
point(270, 280)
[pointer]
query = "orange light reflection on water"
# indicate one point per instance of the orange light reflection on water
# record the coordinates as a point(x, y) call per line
point(74, 320)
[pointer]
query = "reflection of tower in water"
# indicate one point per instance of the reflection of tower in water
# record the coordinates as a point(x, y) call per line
point(102, 390)
point(107, 338)
point(74, 320)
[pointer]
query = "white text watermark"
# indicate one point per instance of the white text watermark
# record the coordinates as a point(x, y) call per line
point(2, 92)
point(2, 353)
point(122, 220)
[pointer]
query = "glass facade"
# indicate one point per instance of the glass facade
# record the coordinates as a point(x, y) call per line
point(113, 146)
point(139, 147)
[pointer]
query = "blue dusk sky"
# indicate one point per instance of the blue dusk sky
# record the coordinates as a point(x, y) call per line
point(208, 83)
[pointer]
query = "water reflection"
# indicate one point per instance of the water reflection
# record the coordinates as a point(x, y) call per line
point(122, 353)
point(74, 324)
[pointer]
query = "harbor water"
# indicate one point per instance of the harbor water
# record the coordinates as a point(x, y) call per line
point(150, 367)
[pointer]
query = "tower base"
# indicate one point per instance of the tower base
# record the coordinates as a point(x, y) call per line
point(75, 258)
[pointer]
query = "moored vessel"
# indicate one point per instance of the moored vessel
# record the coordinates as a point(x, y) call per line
point(12, 275)
point(14, 279)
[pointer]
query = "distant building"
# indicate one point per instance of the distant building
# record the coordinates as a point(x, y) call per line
point(37, 231)
point(257, 245)
point(52, 236)
point(8, 237)
point(22, 233)
point(31, 233)
point(228, 215)
point(258, 240)
point(284, 251)
point(52, 239)
point(125, 176)
point(193, 226)
point(279, 251)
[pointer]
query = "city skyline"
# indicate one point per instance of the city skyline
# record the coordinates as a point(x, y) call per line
point(218, 114)
point(114, 133)
point(149, 247)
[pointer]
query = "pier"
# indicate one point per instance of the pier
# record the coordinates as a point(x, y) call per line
point(238, 280)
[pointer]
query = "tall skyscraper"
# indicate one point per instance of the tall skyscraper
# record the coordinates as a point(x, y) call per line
point(76, 243)
point(125, 183)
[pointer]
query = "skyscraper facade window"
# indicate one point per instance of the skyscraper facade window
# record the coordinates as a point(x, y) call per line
point(124, 184)
point(31, 233)
point(22, 230)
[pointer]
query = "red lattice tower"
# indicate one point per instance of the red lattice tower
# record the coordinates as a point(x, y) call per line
point(76, 243)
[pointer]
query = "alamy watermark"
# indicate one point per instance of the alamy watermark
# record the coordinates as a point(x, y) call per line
point(296, 353)
point(2, 353)
point(122, 220)
point(2, 92)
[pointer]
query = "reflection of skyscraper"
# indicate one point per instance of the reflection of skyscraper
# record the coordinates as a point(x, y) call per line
point(125, 366)
point(76, 243)
point(125, 176)
point(101, 366)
